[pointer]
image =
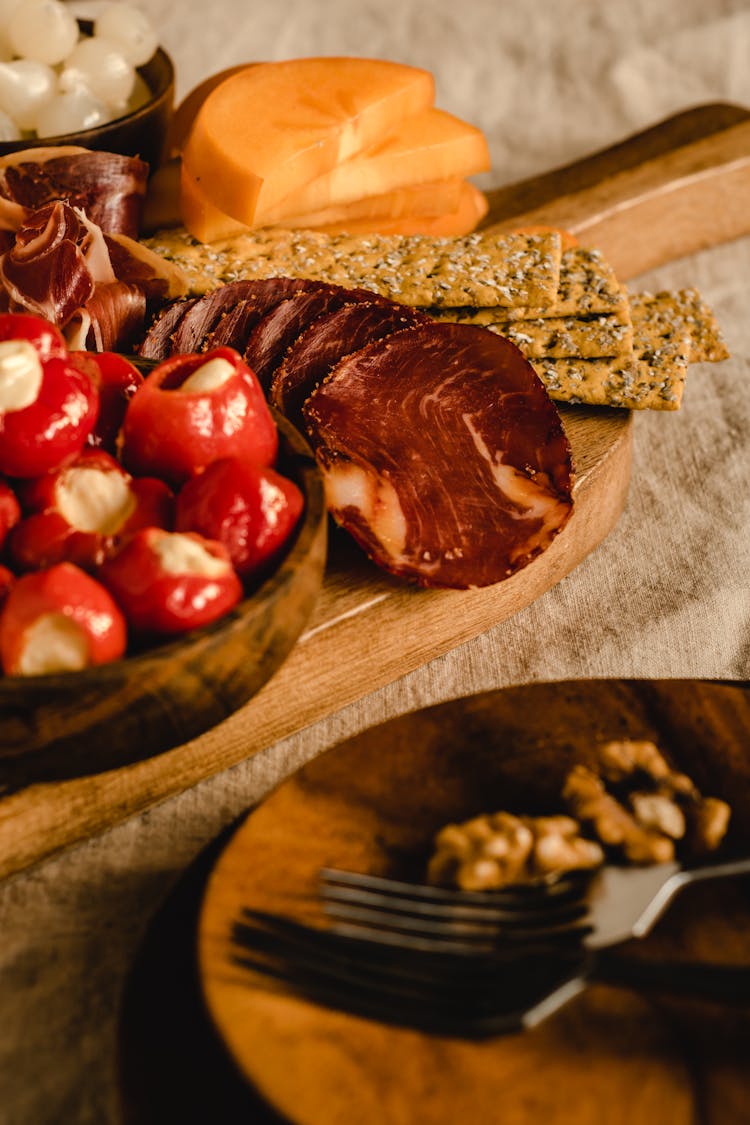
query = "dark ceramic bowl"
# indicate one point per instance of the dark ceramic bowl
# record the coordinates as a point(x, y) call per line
point(140, 133)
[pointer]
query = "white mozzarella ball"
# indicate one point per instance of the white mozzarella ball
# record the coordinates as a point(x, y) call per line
point(9, 131)
point(44, 30)
point(101, 67)
point(70, 112)
point(130, 29)
point(26, 87)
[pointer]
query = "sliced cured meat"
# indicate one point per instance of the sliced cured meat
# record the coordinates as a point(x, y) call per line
point(108, 187)
point(111, 320)
point(279, 328)
point(195, 331)
point(443, 455)
point(235, 326)
point(326, 341)
point(157, 343)
point(54, 264)
point(62, 266)
point(135, 264)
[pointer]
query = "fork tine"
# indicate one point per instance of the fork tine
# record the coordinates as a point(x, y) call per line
point(410, 913)
point(401, 930)
point(537, 912)
point(522, 896)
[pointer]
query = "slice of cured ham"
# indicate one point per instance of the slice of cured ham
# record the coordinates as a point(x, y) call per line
point(59, 262)
point(111, 320)
point(109, 188)
point(55, 263)
point(326, 341)
point(442, 455)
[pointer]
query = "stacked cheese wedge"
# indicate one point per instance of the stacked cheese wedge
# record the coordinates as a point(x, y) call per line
point(335, 144)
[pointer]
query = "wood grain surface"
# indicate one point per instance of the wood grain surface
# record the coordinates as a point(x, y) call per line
point(385, 627)
point(666, 192)
point(373, 804)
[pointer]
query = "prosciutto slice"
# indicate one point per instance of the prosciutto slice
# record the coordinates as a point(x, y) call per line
point(111, 320)
point(443, 455)
point(326, 341)
point(110, 189)
point(63, 267)
point(54, 265)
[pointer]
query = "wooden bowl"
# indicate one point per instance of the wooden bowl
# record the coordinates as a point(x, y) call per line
point(140, 133)
point(74, 723)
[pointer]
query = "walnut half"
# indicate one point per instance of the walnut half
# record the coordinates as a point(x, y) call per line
point(499, 849)
point(642, 808)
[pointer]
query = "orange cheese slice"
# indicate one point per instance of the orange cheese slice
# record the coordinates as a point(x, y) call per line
point(268, 130)
point(429, 146)
point(184, 116)
point(206, 223)
point(434, 198)
point(471, 209)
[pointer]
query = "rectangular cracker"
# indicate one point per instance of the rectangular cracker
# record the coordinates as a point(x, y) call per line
point(588, 286)
point(634, 385)
point(489, 270)
point(670, 331)
point(562, 337)
point(661, 317)
point(653, 379)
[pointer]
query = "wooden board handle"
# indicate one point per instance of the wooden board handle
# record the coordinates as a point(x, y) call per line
point(676, 188)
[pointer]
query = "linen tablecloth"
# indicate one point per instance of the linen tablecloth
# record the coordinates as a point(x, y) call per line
point(667, 594)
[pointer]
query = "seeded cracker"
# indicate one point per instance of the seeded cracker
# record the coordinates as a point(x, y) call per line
point(671, 315)
point(499, 271)
point(587, 286)
point(654, 379)
point(563, 337)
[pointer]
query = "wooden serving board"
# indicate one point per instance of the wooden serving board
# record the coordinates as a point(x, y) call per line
point(367, 629)
point(373, 804)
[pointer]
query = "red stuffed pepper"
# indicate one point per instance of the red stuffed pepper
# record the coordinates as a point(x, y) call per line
point(59, 620)
point(47, 340)
point(7, 580)
point(83, 512)
point(10, 510)
point(193, 409)
point(116, 380)
point(47, 409)
point(251, 510)
point(170, 582)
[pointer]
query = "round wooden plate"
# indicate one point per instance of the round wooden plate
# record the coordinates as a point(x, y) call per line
point(373, 804)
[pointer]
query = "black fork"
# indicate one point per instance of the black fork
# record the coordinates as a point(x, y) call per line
point(478, 964)
point(599, 910)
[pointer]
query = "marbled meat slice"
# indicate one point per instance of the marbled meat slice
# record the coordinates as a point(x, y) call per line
point(442, 455)
point(326, 341)
point(157, 343)
point(277, 331)
point(195, 330)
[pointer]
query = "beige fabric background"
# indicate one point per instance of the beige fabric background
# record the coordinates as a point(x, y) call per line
point(668, 594)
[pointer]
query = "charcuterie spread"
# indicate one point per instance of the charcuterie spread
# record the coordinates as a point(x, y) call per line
point(329, 263)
